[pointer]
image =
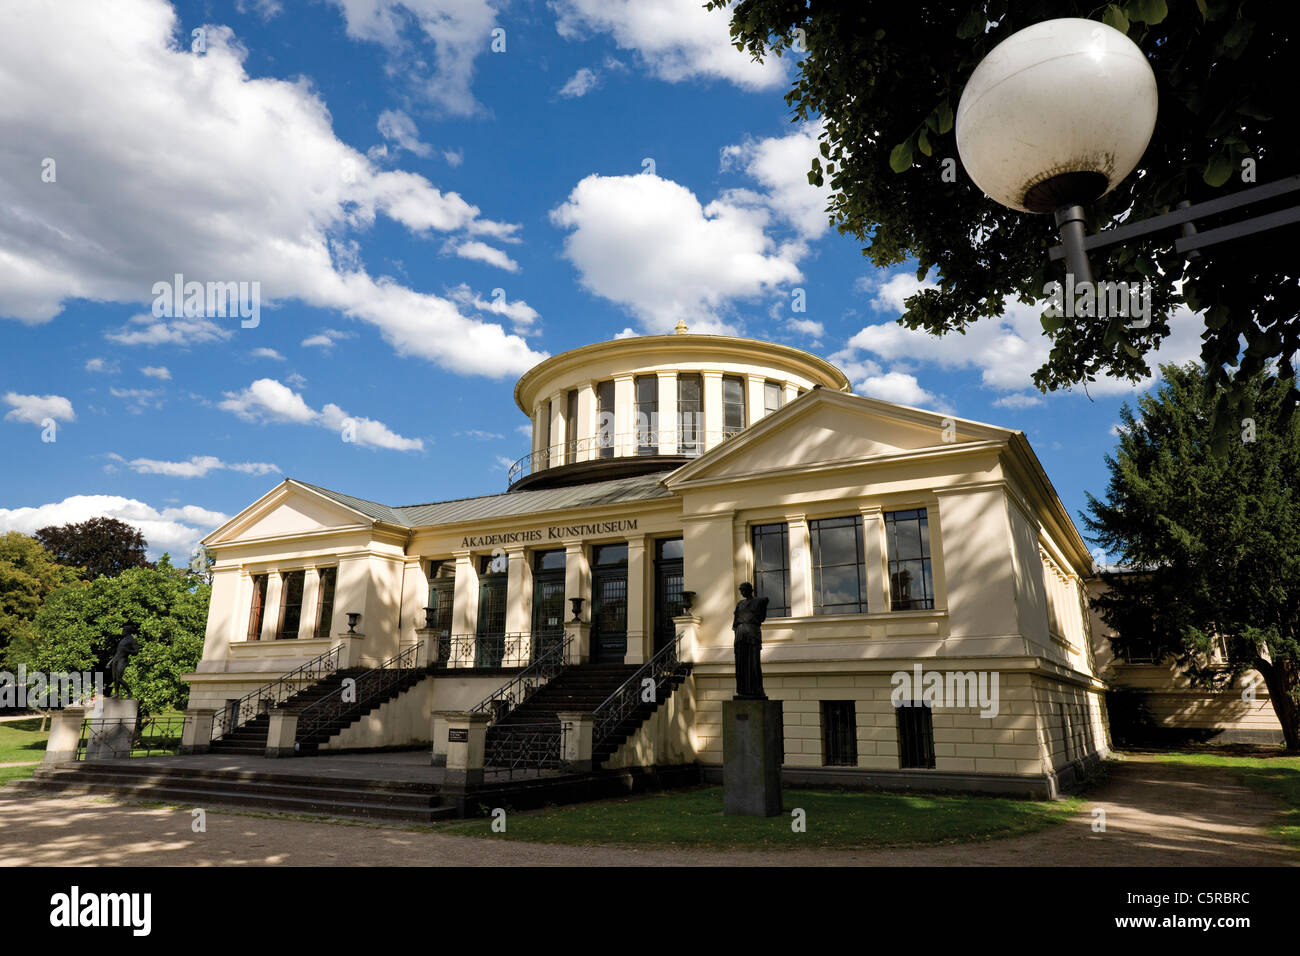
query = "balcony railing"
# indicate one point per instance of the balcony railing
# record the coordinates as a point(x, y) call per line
point(492, 651)
point(684, 442)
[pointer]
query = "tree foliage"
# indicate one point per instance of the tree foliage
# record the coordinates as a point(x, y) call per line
point(1211, 541)
point(79, 625)
point(886, 79)
point(28, 574)
point(100, 546)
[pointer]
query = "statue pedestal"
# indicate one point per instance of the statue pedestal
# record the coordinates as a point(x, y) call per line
point(753, 748)
point(112, 728)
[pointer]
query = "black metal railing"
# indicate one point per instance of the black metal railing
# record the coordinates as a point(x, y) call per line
point(350, 697)
point(689, 443)
point(485, 651)
point(151, 736)
point(519, 688)
point(617, 706)
point(513, 748)
point(276, 692)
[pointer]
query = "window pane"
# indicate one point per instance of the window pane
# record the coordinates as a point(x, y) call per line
point(907, 536)
point(647, 414)
point(773, 397)
point(670, 548)
point(325, 603)
point(291, 604)
point(690, 413)
point(772, 568)
point(839, 567)
point(733, 404)
point(549, 560)
point(605, 418)
point(608, 554)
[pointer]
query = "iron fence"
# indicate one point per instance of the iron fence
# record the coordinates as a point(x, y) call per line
point(151, 736)
point(513, 748)
point(485, 651)
point(518, 689)
point(276, 692)
point(375, 684)
point(619, 705)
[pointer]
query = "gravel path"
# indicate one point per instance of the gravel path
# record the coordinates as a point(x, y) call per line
point(1155, 814)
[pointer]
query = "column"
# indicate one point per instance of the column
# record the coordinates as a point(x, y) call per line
point(310, 602)
point(667, 413)
point(754, 398)
point(624, 432)
point(555, 453)
point(876, 557)
point(519, 594)
point(464, 610)
point(540, 414)
point(637, 572)
point(271, 613)
point(712, 409)
point(791, 392)
point(577, 583)
point(801, 588)
point(415, 597)
point(586, 422)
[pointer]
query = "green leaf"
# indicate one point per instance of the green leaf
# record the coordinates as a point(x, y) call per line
point(1200, 5)
point(1217, 170)
point(1146, 11)
point(1051, 323)
point(900, 158)
point(1216, 317)
point(1114, 17)
point(924, 142)
point(944, 112)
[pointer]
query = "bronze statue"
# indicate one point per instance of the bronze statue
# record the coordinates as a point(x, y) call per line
point(747, 624)
point(121, 657)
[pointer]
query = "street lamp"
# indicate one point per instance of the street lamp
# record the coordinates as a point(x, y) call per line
point(1058, 114)
point(1054, 118)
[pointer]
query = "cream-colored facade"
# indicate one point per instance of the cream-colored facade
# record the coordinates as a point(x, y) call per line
point(885, 538)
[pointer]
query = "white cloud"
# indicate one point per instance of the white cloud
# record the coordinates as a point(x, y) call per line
point(1005, 350)
point(263, 207)
point(896, 387)
point(648, 244)
point(813, 330)
point(138, 399)
point(482, 252)
point(176, 530)
point(780, 164)
point(158, 371)
point(398, 128)
point(627, 333)
point(458, 30)
point(34, 409)
point(197, 466)
point(267, 353)
point(101, 365)
point(1019, 401)
point(580, 84)
point(519, 312)
point(675, 39)
point(454, 157)
point(479, 435)
point(267, 400)
point(326, 339)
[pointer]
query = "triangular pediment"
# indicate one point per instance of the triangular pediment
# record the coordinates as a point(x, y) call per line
point(825, 427)
point(290, 509)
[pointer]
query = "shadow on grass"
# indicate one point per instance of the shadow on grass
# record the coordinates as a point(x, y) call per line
point(844, 819)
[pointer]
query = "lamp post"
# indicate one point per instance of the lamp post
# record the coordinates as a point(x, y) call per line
point(1057, 115)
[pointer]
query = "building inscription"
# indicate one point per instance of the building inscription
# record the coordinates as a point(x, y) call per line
point(551, 533)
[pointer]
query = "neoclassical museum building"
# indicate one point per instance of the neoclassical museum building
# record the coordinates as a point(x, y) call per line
point(927, 620)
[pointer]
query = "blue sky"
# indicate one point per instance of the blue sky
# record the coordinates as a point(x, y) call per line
point(426, 217)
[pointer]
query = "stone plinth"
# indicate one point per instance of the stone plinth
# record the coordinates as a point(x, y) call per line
point(752, 750)
point(112, 728)
point(65, 735)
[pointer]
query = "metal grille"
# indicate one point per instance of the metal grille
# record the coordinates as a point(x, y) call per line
point(511, 748)
point(268, 695)
point(609, 611)
point(618, 705)
point(375, 684)
point(151, 736)
point(491, 620)
point(839, 733)
point(915, 735)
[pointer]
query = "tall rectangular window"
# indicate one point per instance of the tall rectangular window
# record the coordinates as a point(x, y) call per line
point(772, 567)
point(571, 427)
point(911, 586)
point(605, 418)
point(647, 414)
point(915, 735)
point(690, 414)
point(258, 609)
point(291, 604)
point(839, 733)
point(773, 397)
point(839, 568)
point(325, 601)
point(733, 404)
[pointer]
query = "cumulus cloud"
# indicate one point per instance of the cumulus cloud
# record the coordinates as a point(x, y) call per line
point(102, 365)
point(34, 409)
point(262, 207)
point(267, 354)
point(896, 387)
point(780, 165)
point(158, 371)
point(648, 244)
point(176, 530)
point(482, 252)
point(399, 129)
point(675, 40)
point(267, 400)
point(519, 312)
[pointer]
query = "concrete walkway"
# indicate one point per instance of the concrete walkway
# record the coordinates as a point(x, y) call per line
point(1156, 814)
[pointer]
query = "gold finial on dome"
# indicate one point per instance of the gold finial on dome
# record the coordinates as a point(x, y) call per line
point(681, 326)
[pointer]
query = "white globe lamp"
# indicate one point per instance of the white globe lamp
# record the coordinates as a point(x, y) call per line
point(1056, 115)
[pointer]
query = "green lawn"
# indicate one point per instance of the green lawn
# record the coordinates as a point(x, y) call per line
point(1279, 776)
point(22, 740)
point(835, 818)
